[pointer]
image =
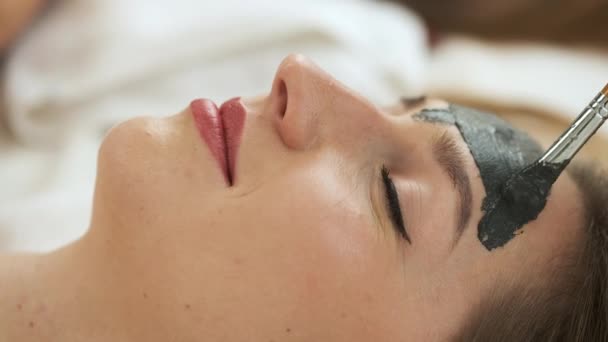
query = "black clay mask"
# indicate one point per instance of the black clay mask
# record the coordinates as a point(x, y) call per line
point(500, 151)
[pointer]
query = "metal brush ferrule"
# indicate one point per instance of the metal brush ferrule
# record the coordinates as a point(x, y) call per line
point(577, 135)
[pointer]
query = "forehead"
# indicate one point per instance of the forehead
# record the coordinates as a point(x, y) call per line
point(498, 149)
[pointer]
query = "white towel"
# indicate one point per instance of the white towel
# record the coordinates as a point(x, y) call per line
point(103, 61)
point(559, 80)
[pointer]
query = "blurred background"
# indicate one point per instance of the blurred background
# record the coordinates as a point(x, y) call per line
point(71, 69)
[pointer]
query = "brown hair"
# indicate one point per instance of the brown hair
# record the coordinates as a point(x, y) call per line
point(571, 305)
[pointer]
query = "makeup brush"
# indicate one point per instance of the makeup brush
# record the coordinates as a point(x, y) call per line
point(524, 195)
point(581, 130)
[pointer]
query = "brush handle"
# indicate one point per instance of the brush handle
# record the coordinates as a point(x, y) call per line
point(581, 130)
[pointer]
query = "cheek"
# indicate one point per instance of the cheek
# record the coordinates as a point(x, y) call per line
point(344, 239)
point(329, 250)
point(331, 218)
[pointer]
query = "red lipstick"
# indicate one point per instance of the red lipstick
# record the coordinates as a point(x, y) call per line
point(233, 115)
point(221, 129)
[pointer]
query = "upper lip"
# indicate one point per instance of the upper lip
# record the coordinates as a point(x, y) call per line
point(221, 129)
point(233, 115)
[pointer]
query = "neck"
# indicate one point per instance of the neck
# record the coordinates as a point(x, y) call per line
point(46, 296)
point(100, 287)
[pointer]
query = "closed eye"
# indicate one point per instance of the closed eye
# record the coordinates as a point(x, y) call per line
point(393, 205)
point(411, 102)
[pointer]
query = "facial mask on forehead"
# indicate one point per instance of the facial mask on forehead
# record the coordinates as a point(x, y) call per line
point(500, 151)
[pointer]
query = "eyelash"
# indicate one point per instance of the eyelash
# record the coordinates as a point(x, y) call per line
point(392, 201)
point(410, 102)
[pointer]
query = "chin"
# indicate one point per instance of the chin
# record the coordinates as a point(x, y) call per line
point(148, 165)
point(132, 162)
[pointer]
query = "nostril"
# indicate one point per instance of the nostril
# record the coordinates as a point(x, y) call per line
point(282, 99)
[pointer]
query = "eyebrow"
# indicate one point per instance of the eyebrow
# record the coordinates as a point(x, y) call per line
point(451, 159)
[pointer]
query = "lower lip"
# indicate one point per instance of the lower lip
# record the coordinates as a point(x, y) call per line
point(221, 129)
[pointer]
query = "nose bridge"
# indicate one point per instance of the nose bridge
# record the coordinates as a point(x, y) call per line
point(320, 110)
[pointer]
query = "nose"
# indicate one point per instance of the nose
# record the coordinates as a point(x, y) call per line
point(311, 108)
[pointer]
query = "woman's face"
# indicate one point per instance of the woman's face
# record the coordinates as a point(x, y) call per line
point(304, 243)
